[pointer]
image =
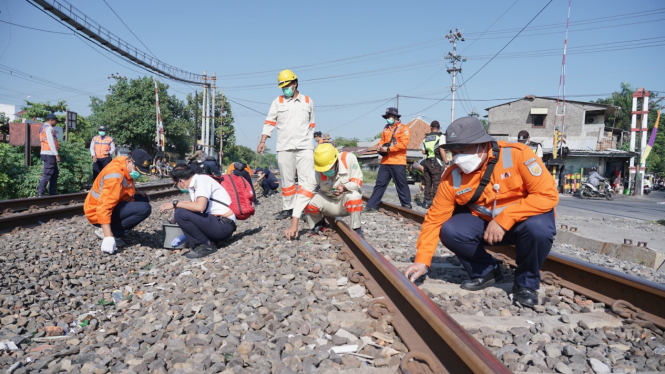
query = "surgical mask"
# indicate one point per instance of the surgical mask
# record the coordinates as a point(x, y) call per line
point(391, 121)
point(134, 174)
point(102, 133)
point(183, 190)
point(288, 91)
point(329, 173)
point(468, 162)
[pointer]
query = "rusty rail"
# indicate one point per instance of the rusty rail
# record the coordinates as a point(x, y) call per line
point(628, 296)
point(437, 344)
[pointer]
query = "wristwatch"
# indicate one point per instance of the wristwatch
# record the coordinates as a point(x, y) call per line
point(387, 149)
point(175, 204)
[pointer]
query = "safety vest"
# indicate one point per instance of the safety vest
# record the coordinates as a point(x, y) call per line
point(112, 186)
point(43, 140)
point(102, 146)
point(431, 142)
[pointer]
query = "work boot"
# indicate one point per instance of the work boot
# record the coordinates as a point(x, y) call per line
point(359, 231)
point(370, 210)
point(317, 229)
point(476, 284)
point(201, 250)
point(428, 204)
point(525, 296)
point(284, 214)
point(407, 206)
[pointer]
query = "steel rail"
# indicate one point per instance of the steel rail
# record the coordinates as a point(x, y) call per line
point(627, 296)
point(13, 221)
point(46, 201)
point(437, 344)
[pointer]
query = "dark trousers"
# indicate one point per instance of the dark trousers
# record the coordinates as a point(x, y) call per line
point(203, 228)
point(432, 176)
point(211, 168)
point(98, 165)
point(398, 174)
point(268, 185)
point(532, 238)
point(128, 214)
point(49, 175)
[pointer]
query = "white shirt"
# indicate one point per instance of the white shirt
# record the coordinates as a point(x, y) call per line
point(294, 120)
point(203, 185)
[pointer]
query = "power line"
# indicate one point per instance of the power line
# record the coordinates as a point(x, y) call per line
point(357, 118)
point(130, 30)
point(10, 32)
point(490, 26)
point(33, 28)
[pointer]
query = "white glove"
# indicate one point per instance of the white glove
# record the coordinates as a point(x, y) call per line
point(108, 245)
point(178, 241)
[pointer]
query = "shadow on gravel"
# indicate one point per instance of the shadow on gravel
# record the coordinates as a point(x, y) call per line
point(239, 236)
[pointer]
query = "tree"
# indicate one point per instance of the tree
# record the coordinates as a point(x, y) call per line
point(129, 111)
point(3, 118)
point(341, 141)
point(39, 111)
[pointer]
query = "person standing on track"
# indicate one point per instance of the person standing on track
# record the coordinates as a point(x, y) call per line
point(498, 193)
point(340, 179)
point(101, 149)
point(49, 154)
point(394, 140)
point(434, 161)
point(293, 116)
point(113, 203)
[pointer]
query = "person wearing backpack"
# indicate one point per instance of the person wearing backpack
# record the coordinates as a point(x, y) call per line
point(207, 217)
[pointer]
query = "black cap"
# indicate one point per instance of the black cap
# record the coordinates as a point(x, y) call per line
point(392, 111)
point(522, 136)
point(464, 131)
point(258, 169)
point(101, 128)
point(51, 116)
point(141, 160)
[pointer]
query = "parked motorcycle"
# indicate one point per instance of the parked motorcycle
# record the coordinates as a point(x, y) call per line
point(588, 191)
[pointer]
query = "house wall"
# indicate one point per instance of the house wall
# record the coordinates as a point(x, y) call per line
point(514, 117)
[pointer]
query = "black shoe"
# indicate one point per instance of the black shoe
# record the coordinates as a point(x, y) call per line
point(407, 206)
point(477, 284)
point(370, 210)
point(317, 229)
point(525, 296)
point(284, 214)
point(428, 204)
point(202, 250)
point(359, 231)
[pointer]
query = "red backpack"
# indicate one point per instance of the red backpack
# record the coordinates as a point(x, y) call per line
point(242, 199)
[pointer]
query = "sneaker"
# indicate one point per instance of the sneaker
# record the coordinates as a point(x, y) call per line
point(201, 250)
point(317, 229)
point(284, 214)
point(359, 231)
point(99, 233)
point(370, 210)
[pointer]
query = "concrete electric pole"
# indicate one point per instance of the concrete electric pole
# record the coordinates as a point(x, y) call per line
point(454, 37)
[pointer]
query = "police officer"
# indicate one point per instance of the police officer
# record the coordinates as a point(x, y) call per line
point(497, 193)
point(113, 203)
point(102, 147)
point(49, 154)
point(293, 116)
point(435, 157)
point(340, 178)
point(394, 140)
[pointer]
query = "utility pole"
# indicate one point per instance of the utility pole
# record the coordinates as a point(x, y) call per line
point(204, 128)
point(454, 37)
point(221, 127)
point(196, 117)
point(397, 102)
point(212, 115)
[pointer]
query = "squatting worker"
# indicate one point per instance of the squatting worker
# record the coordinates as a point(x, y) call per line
point(267, 180)
point(205, 219)
point(394, 140)
point(113, 203)
point(524, 138)
point(102, 147)
point(340, 178)
point(293, 116)
point(197, 159)
point(515, 208)
point(49, 154)
point(435, 158)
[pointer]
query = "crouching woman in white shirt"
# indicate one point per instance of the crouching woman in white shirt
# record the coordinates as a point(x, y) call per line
point(205, 219)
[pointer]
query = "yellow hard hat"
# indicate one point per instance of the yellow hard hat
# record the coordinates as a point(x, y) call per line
point(325, 156)
point(285, 77)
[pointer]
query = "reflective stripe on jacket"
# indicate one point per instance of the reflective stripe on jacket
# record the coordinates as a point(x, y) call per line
point(113, 185)
point(294, 120)
point(48, 141)
point(397, 154)
point(102, 146)
point(431, 143)
point(526, 189)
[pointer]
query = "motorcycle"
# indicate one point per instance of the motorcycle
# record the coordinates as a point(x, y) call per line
point(588, 191)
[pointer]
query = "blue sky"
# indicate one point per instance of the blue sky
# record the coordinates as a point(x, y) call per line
point(402, 43)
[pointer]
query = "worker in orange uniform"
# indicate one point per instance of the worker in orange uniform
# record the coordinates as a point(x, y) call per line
point(102, 147)
point(497, 193)
point(49, 154)
point(394, 140)
point(292, 114)
point(113, 203)
point(340, 178)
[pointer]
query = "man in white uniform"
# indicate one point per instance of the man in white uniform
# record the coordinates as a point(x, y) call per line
point(293, 116)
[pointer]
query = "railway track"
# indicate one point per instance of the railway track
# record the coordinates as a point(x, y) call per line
point(33, 211)
point(438, 344)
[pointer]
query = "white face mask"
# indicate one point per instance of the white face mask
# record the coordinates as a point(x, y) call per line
point(468, 162)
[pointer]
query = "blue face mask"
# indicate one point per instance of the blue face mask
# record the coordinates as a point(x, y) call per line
point(391, 121)
point(288, 91)
point(329, 173)
point(102, 133)
point(134, 174)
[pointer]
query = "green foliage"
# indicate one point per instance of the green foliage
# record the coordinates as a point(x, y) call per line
point(346, 142)
point(228, 130)
point(41, 110)
point(486, 124)
point(3, 118)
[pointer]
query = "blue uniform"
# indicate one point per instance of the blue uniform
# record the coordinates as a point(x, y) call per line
point(269, 182)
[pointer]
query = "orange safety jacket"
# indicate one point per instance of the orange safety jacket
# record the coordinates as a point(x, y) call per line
point(102, 146)
point(112, 186)
point(43, 140)
point(526, 189)
point(397, 154)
